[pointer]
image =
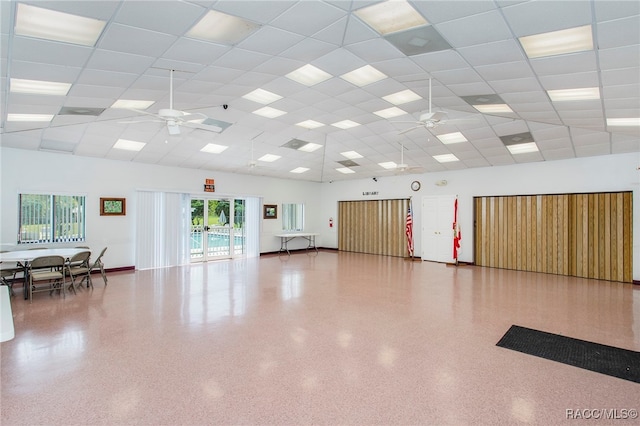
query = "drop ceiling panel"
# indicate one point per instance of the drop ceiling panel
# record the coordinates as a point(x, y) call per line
point(540, 17)
point(173, 17)
point(491, 61)
point(475, 30)
point(121, 38)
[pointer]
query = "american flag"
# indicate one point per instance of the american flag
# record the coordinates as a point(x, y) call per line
point(409, 231)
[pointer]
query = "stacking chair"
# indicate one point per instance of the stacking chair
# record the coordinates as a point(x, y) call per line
point(48, 271)
point(78, 267)
point(98, 265)
point(8, 272)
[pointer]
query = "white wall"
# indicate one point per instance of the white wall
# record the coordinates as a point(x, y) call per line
point(594, 174)
point(32, 171)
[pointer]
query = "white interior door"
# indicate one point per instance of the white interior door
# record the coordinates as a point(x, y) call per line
point(437, 228)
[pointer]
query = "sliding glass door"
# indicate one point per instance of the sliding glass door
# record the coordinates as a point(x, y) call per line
point(217, 228)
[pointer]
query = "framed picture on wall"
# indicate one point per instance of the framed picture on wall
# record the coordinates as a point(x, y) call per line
point(113, 206)
point(270, 211)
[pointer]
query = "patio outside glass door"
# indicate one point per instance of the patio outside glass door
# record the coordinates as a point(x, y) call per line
point(217, 229)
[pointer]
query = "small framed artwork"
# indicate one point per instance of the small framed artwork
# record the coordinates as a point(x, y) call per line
point(113, 206)
point(270, 211)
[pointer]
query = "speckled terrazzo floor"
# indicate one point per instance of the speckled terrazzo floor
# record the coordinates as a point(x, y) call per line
point(326, 339)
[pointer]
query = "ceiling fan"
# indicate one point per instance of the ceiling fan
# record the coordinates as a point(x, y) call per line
point(403, 167)
point(430, 119)
point(174, 118)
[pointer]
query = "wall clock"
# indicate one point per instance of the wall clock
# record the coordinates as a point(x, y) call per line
point(415, 185)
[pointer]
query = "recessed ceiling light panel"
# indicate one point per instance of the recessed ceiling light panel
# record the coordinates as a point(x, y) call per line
point(18, 85)
point(30, 117)
point(213, 148)
point(129, 145)
point(222, 28)
point(345, 124)
point(48, 24)
point(445, 158)
point(269, 158)
point(310, 147)
point(262, 96)
point(388, 165)
point(363, 76)
point(391, 16)
point(269, 112)
point(450, 138)
point(402, 97)
point(390, 112)
point(299, 170)
point(345, 170)
point(308, 75)
point(584, 94)
point(351, 155)
point(523, 148)
point(560, 42)
point(631, 121)
point(310, 124)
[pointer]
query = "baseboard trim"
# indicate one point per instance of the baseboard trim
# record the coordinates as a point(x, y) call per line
point(119, 269)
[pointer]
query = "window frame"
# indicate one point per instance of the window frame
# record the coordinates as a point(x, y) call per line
point(58, 223)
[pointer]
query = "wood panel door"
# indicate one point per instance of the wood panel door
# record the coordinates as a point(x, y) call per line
point(583, 235)
point(373, 226)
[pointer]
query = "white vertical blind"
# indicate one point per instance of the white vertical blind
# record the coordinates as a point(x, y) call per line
point(252, 225)
point(162, 229)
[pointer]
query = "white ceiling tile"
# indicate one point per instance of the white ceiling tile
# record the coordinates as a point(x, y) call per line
point(49, 52)
point(121, 38)
point(576, 80)
point(592, 150)
point(505, 71)
point(515, 85)
point(196, 51)
point(621, 32)
point(558, 154)
point(306, 51)
point(614, 9)
point(493, 53)
point(240, 59)
point(168, 17)
point(565, 64)
point(436, 11)
point(323, 15)
point(621, 76)
point(475, 30)
point(375, 50)
point(536, 17)
point(621, 57)
point(339, 62)
point(439, 61)
point(270, 41)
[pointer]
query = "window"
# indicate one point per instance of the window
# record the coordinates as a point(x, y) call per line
point(48, 218)
point(293, 217)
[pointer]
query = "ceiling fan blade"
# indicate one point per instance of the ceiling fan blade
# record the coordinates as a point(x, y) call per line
point(410, 129)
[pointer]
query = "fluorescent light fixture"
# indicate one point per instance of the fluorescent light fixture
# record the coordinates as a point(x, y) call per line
point(262, 96)
point(391, 16)
point(449, 138)
point(351, 155)
point(29, 117)
point(222, 28)
point(310, 124)
point(389, 165)
point(310, 147)
point(493, 109)
point(308, 75)
point(445, 158)
point(345, 124)
point(402, 97)
point(132, 104)
point(558, 42)
point(390, 112)
point(18, 85)
point(269, 158)
point(523, 148)
point(269, 112)
point(299, 170)
point(48, 24)
point(345, 170)
point(128, 145)
point(363, 76)
point(584, 94)
point(631, 121)
point(213, 148)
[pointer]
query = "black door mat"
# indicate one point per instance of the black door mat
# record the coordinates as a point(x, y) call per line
point(609, 360)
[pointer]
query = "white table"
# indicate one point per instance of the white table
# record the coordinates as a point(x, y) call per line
point(7, 332)
point(23, 257)
point(285, 238)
